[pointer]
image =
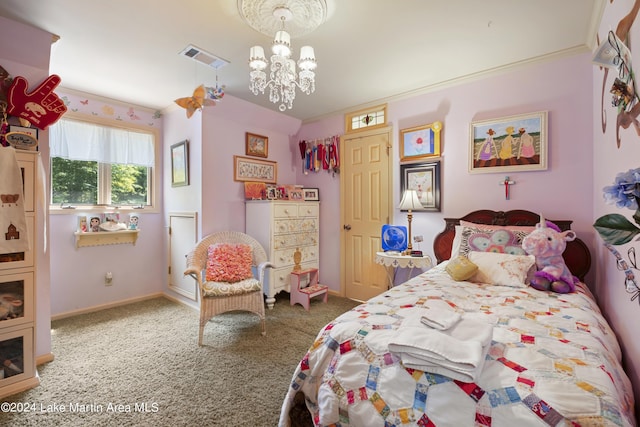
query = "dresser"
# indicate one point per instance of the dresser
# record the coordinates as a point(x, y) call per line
point(283, 227)
point(17, 295)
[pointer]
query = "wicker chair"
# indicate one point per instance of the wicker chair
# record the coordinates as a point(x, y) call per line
point(210, 306)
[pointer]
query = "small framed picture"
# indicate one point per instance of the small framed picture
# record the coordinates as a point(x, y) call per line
point(255, 190)
point(311, 194)
point(272, 192)
point(420, 142)
point(256, 145)
point(180, 164)
point(296, 194)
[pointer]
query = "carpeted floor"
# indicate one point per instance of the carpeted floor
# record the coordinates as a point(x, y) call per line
point(140, 365)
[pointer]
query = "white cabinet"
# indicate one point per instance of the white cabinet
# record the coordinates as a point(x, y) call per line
point(282, 227)
point(17, 296)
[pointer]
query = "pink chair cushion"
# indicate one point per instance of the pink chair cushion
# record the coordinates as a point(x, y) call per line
point(229, 262)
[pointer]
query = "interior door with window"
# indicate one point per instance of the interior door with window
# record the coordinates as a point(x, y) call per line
point(365, 203)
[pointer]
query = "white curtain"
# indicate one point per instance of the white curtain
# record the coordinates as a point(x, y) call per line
point(76, 140)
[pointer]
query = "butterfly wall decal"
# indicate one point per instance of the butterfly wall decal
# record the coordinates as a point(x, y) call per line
point(195, 102)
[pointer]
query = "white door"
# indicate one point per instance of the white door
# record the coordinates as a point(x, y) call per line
point(183, 236)
point(365, 203)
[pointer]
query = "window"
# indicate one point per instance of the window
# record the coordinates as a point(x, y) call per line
point(101, 164)
point(370, 118)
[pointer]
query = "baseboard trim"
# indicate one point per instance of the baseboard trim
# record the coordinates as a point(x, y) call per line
point(45, 358)
point(179, 301)
point(104, 306)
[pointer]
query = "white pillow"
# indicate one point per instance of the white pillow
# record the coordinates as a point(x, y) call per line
point(502, 269)
point(457, 241)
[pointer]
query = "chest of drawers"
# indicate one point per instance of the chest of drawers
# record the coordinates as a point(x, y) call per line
point(282, 227)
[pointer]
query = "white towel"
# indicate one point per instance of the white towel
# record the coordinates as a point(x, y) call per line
point(458, 352)
point(14, 235)
point(439, 315)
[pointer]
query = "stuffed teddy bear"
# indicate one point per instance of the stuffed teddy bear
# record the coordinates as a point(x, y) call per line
point(547, 243)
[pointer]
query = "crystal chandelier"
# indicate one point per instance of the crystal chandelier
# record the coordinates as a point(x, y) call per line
point(283, 76)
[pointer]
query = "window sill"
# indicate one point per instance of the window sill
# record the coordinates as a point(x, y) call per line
point(103, 238)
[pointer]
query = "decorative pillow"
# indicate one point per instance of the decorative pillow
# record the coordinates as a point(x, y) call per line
point(482, 240)
point(461, 268)
point(502, 269)
point(457, 239)
point(527, 228)
point(228, 262)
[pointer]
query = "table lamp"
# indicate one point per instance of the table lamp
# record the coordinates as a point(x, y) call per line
point(410, 202)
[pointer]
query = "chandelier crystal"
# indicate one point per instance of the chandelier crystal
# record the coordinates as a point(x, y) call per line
point(283, 76)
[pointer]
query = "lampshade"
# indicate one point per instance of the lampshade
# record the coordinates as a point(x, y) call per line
point(282, 44)
point(410, 201)
point(307, 59)
point(257, 60)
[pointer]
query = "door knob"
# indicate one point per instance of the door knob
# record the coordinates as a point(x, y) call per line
point(347, 227)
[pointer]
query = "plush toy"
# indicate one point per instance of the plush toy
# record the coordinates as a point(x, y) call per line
point(547, 243)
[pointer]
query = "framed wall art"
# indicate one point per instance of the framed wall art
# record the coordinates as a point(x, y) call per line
point(420, 142)
point(180, 164)
point(272, 192)
point(255, 190)
point(248, 169)
point(311, 193)
point(425, 179)
point(256, 145)
point(514, 143)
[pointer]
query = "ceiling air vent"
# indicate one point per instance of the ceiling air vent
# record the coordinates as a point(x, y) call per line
point(203, 56)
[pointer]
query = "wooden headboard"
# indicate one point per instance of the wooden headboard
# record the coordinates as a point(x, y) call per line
point(576, 255)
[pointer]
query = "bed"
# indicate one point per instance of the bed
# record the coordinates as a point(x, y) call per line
point(549, 360)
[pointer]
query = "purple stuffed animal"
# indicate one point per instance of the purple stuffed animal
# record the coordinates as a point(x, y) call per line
point(547, 243)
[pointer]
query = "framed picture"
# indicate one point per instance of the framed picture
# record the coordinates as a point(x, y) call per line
point(247, 169)
point(311, 193)
point(425, 179)
point(272, 192)
point(420, 142)
point(515, 143)
point(295, 194)
point(255, 190)
point(256, 145)
point(180, 164)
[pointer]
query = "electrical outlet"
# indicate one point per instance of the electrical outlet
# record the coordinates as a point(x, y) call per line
point(108, 279)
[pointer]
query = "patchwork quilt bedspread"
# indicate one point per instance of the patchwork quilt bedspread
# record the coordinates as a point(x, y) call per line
point(553, 361)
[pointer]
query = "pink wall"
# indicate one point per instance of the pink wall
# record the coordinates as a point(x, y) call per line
point(128, 263)
point(609, 160)
point(563, 191)
point(215, 135)
point(223, 136)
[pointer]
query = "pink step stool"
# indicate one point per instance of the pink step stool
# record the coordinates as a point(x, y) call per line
point(304, 286)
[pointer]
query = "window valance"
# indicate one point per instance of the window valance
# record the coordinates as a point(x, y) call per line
point(77, 140)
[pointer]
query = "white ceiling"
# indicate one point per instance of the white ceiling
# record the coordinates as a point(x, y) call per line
point(368, 51)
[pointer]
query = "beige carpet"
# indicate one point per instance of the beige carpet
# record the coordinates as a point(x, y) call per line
point(113, 364)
